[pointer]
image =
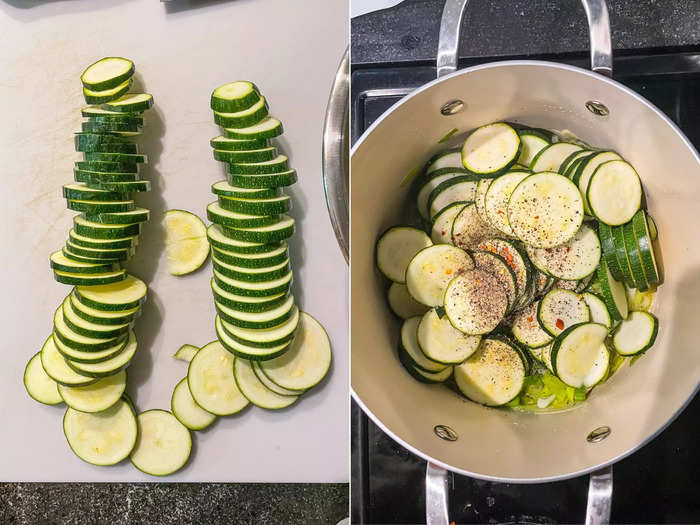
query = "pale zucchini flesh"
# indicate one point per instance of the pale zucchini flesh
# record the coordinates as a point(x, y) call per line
point(401, 302)
point(255, 390)
point(39, 385)
point(163, 445)
point(396, 248)
point(475, 302)
point(186, 241)
point(431, 269)
point(442, 342)
point(96, 397)
point(186, 409)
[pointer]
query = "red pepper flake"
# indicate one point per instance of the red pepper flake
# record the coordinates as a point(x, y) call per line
point(448, 271)
point(530, 319)
point(548, 250)
point(500, 212)
point(568, 249)
point(559, 324)
point(442, 232)
point(537, 216)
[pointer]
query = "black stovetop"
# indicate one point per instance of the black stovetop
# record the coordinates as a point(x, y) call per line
point(658, 484)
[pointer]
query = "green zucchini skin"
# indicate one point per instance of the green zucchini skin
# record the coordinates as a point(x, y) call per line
point(107, 82)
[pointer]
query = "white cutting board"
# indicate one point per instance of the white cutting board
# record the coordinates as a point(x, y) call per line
point(291, 50)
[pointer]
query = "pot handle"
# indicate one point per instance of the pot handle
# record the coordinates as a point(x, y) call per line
point(600, 488)
point(598, 31)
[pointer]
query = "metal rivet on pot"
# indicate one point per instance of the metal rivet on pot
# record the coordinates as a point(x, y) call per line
point(597, 108)
point(452, 107)
point(598, 434)
point(445, 432)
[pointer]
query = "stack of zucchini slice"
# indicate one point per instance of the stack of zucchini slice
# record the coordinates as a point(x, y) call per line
point(83, 362)
point(268, 352)
point(529, 249)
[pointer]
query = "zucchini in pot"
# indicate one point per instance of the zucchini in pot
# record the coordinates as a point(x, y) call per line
point(475, 302)
point(496, 200)
point(553, 156)
point(443, 343)
point(450, 158)
point(396, 248)
point(532, 143)
point(431, 270)
point(441, 230)
point(491, 149)
point(469, 230)
point(560, 309)
point(635, 334)
point(572, 260)
point(409, 345)
point(614, 192)
point(457, 189)
point(579, 355)
point(401, 302)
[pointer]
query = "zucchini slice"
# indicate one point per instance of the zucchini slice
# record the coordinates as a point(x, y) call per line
point(218, 238)
point(275, 165)
point(527, 330)
point(245, 117)
point(571, 161)
point(491, 149)
point(120, 187)
point(449, 158)
point(613, 293)
point(420, 374)
point(211, 381)
point(306, 362)
point(256, 206)
point(103, 438)
point(83, 192)
point(186, 241)
point(494, 375)
point(614, 192)
point(95, 315)
point(60, 262)
point(128, 217)
point(622, 257)
point(579, 355)
point(263, 181)
point(224, 217)
point(442, 342)
point(441, 230)
point(110, 366)
point(186, 353)
point(469, 229)
point(409, 345)
point(127, 294)
point(264, 337)
point(131, 103)
point(246, 303)
point(642, 228)
point(551, 157)
point(94, 126)
point(85, 241)
point(607, 245)
point(531, 145)
point(267, 128)
point(497, 197)
point(90, 207)
point(106, 95)
point(96, 397)
point(255, 390)
point(575, 259)
point(401, 302)
point(257, 369)
point(107, 73)
point(95, 330)
point(39, 384)
point(246, 351)
point(432, 268)
point(501, 270)
point(253, 260)
point(456, 189)
point(235, 96)
point(431, 182)
point(271, 233)
point(223, 189)
point(560, 309)
point(544, 210)
point(121, 158)
point(227, 144)
point(94, 177)
point(89, 356)
point(482, 189)
point(57, 368)
point(252, 155)
point(585, 171)
point(78, 341)
point(258, 320)
point(636, 333)
point(475, 302)
point(153, 453)
point(517, 260)
point(186, 409)
point(254, 289)
point(634, 257)
point(599, 312)
point(396, 248)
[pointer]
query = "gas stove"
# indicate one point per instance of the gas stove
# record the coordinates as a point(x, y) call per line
point(655, 484)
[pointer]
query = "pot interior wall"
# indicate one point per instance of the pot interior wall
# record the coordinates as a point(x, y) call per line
point(638, 401)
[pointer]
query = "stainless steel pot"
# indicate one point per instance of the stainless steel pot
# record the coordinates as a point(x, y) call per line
point(639, 401)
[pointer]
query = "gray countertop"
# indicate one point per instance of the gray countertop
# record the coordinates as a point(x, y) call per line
point(493, 28)
point(172, 503)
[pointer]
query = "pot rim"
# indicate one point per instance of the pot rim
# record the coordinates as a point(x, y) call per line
point(355, 395)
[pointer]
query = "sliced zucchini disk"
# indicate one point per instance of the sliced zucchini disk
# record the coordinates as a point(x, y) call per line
point(60, 262)
point(56, 366)
point(634, 257)
point(575, 259)
point(255, 390)
point(482, 189)
point(186, 241)
point(501, 270)
point(218, 238)
point(39, 384)
point(401, 302)
point(163, 445)
point(257, 368)
point(78, 341)
point(253, 289)
point(106, 95)
point(187, 411)
point(497, 197)
point(395, 249)
point(306, 362)
point(431, 269)
point(219, 215)
point(263, 181)
point(560, 309)
point(551, 157)
point(614, 192)
point(129, 293)
point(89, 356)
point(613, 293)
point(273, 233)
point(545, 210)
point(449, 158)
point(87, 328)
point(572, 161)
point(211, 381)
point(96, 397)
point(494, 374)
point(475, 302)
point(246, 350)
point(431, 182)
point(258, 320)
point(585, 171)
point(607, 245)
point(267, 128)
point(441, 231)
point(469, 228)
point(103, 438)
point(517, 260)
point(107, 73)
point(491, 149)
point(457, 189)
point(94, 315)
point(278, 164)
point(131, 103)
point(579, 355)
point(234, 96)
point(111, 366)
point(186, 353)
point(636, 334)
point(409, 345)
point(599, 312)
point(442, 342)
point(226, 144)
point(245, 117)
point(641, 224)
point(532, 144)
point(421, 375)
point(527, 330)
